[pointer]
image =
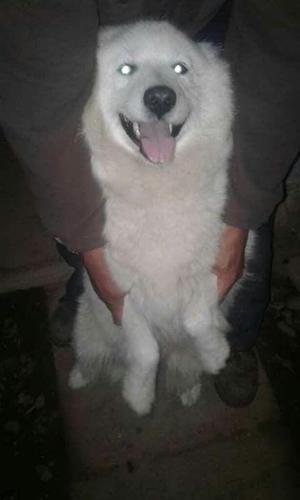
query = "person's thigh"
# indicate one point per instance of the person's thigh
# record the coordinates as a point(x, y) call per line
point(47, 65)
point(47, 62)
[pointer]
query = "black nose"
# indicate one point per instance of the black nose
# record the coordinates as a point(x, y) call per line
point(159, 99)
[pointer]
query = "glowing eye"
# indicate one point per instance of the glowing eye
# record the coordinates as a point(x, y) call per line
point(127, 69)
point(180, 68)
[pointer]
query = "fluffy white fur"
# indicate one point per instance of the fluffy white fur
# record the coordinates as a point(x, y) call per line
point(163, 222)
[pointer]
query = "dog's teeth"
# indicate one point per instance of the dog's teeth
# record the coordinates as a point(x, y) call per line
point(170, 128)
point(136, 129)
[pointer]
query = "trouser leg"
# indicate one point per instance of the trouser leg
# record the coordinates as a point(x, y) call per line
point(247, 311)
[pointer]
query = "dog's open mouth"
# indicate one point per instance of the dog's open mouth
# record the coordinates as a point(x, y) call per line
point(155, 139)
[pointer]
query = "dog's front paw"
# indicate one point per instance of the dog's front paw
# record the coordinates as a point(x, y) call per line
point(214, 358)
point(190, 397)
point(139, 398)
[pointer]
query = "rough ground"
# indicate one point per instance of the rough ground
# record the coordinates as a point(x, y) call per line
point(30, 425)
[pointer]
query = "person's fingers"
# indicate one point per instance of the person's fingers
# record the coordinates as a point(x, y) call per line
point(117, 312)
point(223, 285)
point(229, 262)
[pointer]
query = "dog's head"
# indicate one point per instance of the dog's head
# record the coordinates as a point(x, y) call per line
point(156, 88)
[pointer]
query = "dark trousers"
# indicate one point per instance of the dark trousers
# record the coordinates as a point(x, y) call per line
point(247, 310)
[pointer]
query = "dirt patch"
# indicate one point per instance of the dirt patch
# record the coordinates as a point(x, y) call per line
point(32, 450)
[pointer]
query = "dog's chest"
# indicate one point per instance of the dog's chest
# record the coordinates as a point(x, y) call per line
point(163, 237)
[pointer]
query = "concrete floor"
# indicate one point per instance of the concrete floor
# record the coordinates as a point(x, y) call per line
point(206, 452)
point(209, 451)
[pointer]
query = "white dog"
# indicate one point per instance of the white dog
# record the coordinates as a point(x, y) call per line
point(158, 125)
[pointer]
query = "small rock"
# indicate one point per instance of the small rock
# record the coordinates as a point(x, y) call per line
point(288, 330)
point(44, 473)
point(287, 316)
point(24, 399)
point(24, 358)
point(40, 429)
point(294, 303)
point(39, 402)
point(277, 305)
point(294, 271)
point(286, 363)
point(12, 426)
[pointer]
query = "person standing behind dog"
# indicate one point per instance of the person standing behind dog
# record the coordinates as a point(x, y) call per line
point(47, 66)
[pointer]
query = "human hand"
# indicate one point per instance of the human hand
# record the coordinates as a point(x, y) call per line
point(106, 289)
point(229, 264)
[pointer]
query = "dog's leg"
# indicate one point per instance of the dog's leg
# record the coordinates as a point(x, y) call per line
point(191, 396)
point(204, 322)
point(143, 357)
point(183, 373)
point(93, 328)
point(76, 378)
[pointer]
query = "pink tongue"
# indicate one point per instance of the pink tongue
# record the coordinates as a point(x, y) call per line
point(157, 144)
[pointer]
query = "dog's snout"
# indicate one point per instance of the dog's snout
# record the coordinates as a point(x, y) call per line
point(159, 99)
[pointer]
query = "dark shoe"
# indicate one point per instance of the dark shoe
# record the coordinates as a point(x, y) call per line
point(237, 383)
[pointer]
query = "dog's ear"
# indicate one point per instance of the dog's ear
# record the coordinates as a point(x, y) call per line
point(107, 34)
point(214, 55)
point(209, 51)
